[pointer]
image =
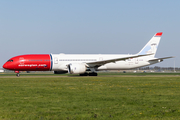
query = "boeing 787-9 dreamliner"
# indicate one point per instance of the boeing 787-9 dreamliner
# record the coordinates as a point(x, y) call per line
point(86, 64)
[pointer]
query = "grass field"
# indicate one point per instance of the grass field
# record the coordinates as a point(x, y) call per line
point(108, 96)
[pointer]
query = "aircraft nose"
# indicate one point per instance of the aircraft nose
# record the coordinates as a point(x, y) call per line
point(5, 66)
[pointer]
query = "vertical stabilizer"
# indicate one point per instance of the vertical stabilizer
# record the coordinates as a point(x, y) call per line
point(152, 45)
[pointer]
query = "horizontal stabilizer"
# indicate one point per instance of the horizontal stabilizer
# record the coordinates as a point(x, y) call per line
point(161, 58)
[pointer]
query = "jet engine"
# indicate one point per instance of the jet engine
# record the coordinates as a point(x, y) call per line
point(76, 68)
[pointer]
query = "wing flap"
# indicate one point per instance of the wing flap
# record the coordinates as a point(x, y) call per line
point(102, 62)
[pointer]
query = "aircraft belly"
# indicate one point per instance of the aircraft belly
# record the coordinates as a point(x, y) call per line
point(117, 66)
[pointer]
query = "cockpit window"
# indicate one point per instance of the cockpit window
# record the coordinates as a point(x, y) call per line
point(10, 61)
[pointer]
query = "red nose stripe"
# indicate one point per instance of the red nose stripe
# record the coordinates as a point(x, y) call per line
point(33, 62)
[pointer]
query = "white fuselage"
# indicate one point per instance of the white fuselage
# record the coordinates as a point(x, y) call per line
point(60, 61)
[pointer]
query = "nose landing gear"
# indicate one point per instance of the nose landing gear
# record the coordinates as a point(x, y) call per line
point(17, 73)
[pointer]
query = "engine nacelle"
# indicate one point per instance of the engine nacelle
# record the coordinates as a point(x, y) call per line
point(76, 68)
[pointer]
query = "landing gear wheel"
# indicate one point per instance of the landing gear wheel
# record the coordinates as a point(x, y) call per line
point(93, 74)
point(17, 74)
point(84, 74)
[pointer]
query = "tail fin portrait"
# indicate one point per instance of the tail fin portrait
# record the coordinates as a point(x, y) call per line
point(152, 45)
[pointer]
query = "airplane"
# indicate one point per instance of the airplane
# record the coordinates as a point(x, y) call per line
point(86, 64)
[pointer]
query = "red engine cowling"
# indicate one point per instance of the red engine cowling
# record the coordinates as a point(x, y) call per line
point(76, 68)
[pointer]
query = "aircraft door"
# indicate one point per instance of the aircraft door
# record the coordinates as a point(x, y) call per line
point(21, 59)
point(55, 60)
point(136, 61)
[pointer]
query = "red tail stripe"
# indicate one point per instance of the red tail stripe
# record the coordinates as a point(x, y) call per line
point(159, 34)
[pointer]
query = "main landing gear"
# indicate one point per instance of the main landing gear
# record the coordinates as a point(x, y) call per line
point(89, 74)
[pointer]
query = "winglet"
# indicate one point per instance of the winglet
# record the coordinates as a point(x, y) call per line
point(158, 34)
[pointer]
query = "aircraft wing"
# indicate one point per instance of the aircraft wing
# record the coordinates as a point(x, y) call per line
point(161, 59)
point(102, 62)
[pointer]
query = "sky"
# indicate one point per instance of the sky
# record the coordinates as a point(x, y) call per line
point(88, 27)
